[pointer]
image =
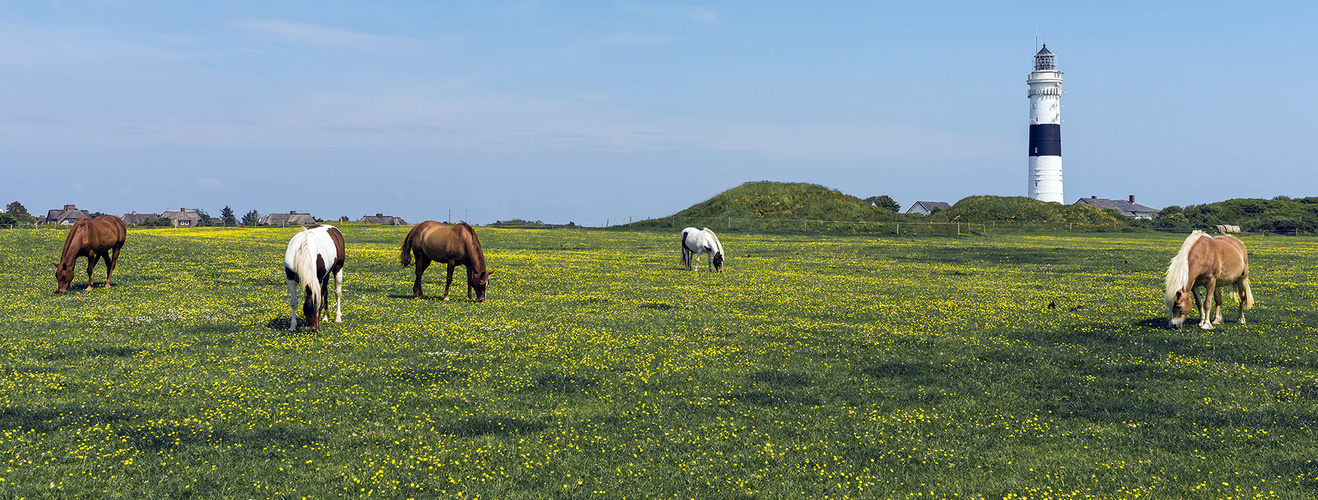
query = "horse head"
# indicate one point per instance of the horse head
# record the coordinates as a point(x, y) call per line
point(311, 309)
point(1178, 308)
point(63, 277)
point(718, 262)
point(478, 282)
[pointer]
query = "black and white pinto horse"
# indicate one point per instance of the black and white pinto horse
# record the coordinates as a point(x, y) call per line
point(313, 255)
point(695, 241)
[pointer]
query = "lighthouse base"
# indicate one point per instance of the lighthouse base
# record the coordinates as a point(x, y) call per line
point(1045, 178)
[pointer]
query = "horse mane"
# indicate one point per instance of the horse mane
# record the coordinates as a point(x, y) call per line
point(1178, 273)
point(475, 241)
point(717, 243)
point(304, 262)
point(81, 225)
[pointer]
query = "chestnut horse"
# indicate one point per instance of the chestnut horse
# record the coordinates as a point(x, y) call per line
point(452, 245)
point(1213, 262)
point(94, 239)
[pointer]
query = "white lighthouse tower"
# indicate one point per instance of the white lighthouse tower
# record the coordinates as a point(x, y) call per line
point(1045, 176)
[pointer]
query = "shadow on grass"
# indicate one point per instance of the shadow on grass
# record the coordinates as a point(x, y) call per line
point(781, 379)
point(426, 376)
point(51, 420)
point(103, 352)
point(562, 384)
point(767, 399)
point(473, 427)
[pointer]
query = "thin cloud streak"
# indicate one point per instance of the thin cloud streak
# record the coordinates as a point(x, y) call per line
point(322, 36)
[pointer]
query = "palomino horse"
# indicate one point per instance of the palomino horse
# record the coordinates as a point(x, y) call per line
point(94, 239)
point(695, 241)
point(1213, 262)
point(452, 245)
point(313, 255)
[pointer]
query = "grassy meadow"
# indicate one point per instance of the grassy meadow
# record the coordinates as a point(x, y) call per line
point(815, 366)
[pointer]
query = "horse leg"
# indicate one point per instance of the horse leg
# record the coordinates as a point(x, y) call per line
point(1242, 293)
point(109, 265)
point(448, 282)
point(292, 305)
point(1205, 310)
point(338, 296)
point(92, 258)
point(422, 262)
point(1217, 299)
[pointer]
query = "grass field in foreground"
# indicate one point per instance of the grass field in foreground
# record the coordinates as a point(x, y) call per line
point(815, 366)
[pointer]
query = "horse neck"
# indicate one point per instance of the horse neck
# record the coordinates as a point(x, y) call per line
point(73, 243)
point(304, 262)
point(474, 252)
point(1178, 272)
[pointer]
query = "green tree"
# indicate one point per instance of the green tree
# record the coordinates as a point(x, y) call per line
point(251, 218)
point(226, 215)
point(7, 220)
point(19, 212)
point(885, 202)
point(205, 217)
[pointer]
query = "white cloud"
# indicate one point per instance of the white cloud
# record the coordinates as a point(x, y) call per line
point(325, 36)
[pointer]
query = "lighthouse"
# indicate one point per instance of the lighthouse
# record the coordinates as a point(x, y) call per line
point(1045, 175)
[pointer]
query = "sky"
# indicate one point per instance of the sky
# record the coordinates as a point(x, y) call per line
point(595, 112)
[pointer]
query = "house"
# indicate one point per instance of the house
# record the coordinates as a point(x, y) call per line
point(182, 217)
point(136, 219)
point(383, 219)
point(1127, 207)
point(65, 216)
point(927, 207)
point(290, 218)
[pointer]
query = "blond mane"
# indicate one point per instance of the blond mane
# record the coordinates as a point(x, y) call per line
point(1178, 273)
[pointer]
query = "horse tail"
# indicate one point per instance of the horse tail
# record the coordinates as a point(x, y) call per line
point(405, 257)
point(1178, 273)
point(1246, 294)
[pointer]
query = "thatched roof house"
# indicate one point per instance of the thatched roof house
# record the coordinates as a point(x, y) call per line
point(288, 219)
point(383, 219)
point(182, 217)
point(1127, 207)
point(65, 216)
point(136, 219)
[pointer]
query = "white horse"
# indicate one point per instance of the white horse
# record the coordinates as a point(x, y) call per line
point(313, 255)
point(695, 241)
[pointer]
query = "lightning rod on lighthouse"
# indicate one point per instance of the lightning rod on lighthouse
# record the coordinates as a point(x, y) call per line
point(1045, 175)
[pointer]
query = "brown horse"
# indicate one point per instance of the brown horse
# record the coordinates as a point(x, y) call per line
point(1213, 262)
point(94, 239)
point(453, 245)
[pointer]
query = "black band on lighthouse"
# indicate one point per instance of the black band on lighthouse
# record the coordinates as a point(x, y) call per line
point(1046, 140)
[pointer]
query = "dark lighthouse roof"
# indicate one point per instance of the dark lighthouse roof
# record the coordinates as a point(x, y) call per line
point(1044, 59)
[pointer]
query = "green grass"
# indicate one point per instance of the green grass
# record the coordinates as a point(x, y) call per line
point(815, 366)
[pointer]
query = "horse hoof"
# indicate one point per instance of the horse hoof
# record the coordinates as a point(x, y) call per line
point(1206, 326)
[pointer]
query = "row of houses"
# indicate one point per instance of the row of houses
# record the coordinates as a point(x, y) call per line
point(185, 217)
point(1127, 207)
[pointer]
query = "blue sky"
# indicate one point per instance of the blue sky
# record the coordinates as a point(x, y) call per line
point(587, 111)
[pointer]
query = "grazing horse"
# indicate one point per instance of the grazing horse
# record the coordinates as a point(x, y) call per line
point(94, 239)
point(1213, 262)
point(454, 245)
point(313, 254)
point(695, 241)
